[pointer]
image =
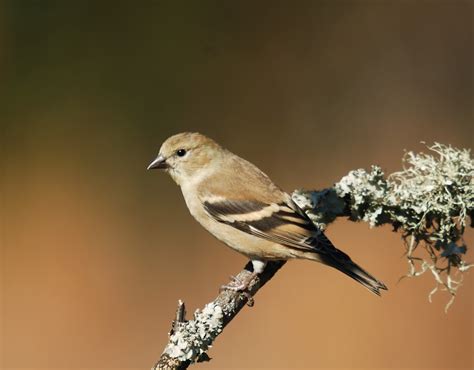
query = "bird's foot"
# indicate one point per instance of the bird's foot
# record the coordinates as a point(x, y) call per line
point(241, 286)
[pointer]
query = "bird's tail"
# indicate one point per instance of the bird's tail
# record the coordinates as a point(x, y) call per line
point(358, 274)
point(339, 260)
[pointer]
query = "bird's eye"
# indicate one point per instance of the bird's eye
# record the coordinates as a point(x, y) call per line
point(181, 152)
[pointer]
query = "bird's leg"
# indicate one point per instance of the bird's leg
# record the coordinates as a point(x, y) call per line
point(241, 285)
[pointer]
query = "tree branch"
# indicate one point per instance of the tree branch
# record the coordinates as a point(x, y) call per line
point(189, 340)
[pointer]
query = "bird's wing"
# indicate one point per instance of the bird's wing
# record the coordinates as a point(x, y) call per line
point(283, 223)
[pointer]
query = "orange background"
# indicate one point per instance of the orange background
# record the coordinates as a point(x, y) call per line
point(95, 251)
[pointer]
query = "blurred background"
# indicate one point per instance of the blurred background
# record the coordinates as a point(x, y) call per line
point(96, 251)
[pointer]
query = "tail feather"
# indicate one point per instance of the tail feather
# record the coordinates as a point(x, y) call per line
point(358, 274)
point(331, 256)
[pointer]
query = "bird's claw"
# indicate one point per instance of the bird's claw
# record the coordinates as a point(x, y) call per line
point(237, 285)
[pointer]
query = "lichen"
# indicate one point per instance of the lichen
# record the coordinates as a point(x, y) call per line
point(429, 201)
point(323, 207)
point(192, 338)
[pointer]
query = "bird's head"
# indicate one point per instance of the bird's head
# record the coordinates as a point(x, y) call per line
point(185, 155)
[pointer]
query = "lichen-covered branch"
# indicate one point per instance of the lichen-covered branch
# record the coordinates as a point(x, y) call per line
point(429, 201)
point(189, 340)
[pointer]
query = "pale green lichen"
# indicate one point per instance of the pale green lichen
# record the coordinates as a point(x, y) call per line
point(191, 339)
point(429, 200)
point(323, 207)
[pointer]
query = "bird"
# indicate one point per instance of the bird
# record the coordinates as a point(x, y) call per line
point(238, 203)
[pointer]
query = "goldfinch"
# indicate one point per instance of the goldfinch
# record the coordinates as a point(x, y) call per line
point(239, 204)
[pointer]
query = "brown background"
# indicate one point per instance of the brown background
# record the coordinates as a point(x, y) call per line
point(96, 251)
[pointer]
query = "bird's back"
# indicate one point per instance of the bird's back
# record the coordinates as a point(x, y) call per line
point(238, 179)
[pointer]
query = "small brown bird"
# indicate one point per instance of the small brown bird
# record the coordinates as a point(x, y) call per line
point(237, 203)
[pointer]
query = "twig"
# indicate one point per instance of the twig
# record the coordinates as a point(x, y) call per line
point(189, 340)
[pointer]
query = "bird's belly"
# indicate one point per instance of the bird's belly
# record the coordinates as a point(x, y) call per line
point(249, 245)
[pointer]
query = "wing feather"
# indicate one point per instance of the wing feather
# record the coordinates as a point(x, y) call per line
point(281, 223)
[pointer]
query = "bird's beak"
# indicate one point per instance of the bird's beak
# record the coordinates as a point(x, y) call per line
point(159, 162)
